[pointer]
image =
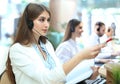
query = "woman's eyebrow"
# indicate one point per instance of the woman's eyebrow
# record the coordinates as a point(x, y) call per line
point(43, 17)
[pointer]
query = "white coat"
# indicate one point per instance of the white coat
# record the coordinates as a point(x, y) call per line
point(29, 68)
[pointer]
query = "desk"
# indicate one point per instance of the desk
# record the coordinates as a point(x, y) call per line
point(109, 76)
point(102, 69)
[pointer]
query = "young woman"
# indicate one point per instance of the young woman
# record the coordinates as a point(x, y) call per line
point(69, 46)
point(32, 58)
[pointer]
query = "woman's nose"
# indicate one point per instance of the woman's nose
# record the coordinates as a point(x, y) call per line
point(47, 24)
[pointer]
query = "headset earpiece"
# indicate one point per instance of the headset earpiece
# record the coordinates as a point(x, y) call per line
point(71, 27)
point(98, 29)
point(29, 22)
point(99, 24)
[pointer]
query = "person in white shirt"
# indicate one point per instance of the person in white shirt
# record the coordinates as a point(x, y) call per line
point(99, 31)
point(70, 46)
point(110, 32)
point(32, 59)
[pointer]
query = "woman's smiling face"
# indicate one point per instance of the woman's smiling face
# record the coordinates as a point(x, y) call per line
point(78, 30)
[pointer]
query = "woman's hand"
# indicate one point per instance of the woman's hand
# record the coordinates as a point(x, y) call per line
point(91, 52)
point(87, 53)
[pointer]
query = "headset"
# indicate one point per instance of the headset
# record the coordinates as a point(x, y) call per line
point(108, 30)
point(72, 29)
point(29, 22)
point(99, 25)
point(98, 29)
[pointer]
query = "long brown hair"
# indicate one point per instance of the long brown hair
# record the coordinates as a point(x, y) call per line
point(9, 71)
point(24, 33)
point(70, 28)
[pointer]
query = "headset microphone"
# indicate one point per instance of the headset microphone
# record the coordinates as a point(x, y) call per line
point(38, 33)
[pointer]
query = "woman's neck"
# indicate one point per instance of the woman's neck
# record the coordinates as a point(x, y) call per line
point(36, 38)
point(73, 37)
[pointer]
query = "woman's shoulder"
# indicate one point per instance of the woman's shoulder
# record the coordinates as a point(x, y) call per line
point(64, 45)
point(17, 46)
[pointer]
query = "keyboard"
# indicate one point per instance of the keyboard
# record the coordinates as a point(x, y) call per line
point(96, 81)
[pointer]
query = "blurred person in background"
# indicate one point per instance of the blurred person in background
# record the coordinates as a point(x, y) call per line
point(99, 31)
point(32, 59)
point(113, 26)
point(70, 47)
point(110, 33)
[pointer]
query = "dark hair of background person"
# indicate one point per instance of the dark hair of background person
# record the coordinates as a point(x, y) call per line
point(113, 25)
point(109, 29)
point(99, 24)
point(24, 33)
point(70, 28)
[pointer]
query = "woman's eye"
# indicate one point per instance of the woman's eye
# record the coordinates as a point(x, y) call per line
point(81, 27)
point(48, 20)
point(42, 20)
